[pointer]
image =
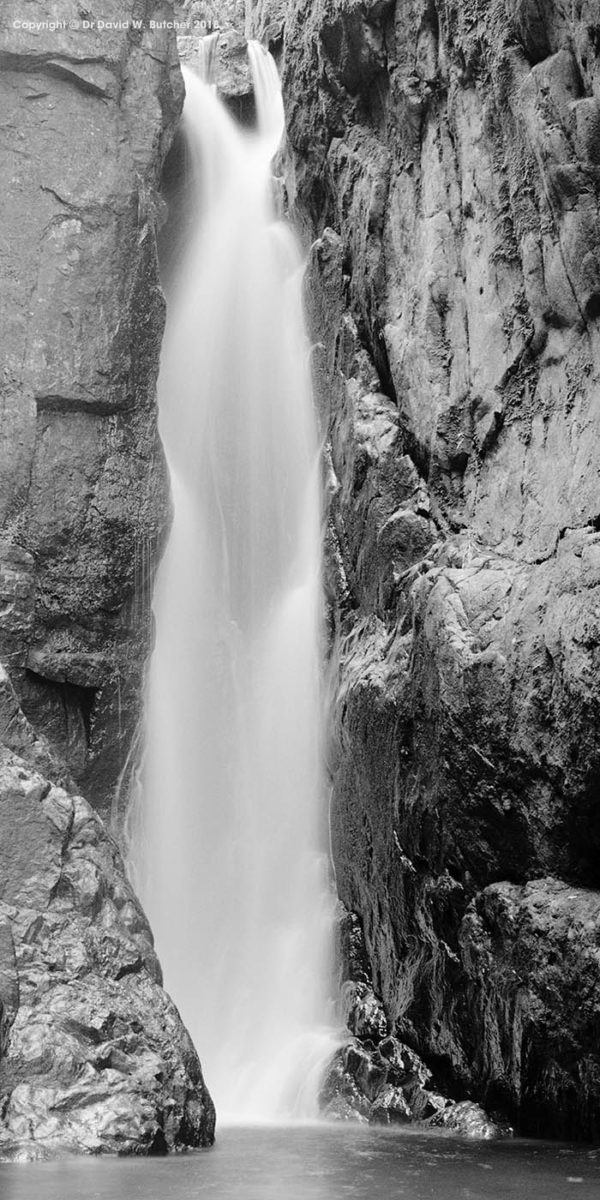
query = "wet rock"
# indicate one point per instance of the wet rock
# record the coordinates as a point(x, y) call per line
point(467, 1119)
point(351, 955)
point(230, 66)
point(373, 1077)
point(362, 1012)
point(94, 1055)
point(391, 1085)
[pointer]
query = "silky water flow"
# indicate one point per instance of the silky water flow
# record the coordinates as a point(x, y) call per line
point(229, 849)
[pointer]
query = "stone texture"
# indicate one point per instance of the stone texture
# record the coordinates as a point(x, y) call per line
point(230, 65)
point(88, 118)
point(373, 1077)
point(391, 1085)
point(445, 157)
point(95, 1057)
point(532, 958)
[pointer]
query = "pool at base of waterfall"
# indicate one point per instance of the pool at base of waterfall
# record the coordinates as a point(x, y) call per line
point(322, 1162)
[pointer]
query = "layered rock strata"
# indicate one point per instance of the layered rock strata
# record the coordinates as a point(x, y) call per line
point(447, 156)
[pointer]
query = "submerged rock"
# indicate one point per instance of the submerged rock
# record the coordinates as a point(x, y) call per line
point(94, 1055)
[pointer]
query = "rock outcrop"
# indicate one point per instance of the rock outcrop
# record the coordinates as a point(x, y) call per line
point(227, 62)
point(447, 158)
point(373, 1078)
point(93, 1054)
point(95, 1057)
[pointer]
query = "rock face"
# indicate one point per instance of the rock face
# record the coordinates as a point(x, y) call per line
point(89, 115)
point(447, 158)
point(227, 63)
point(97, 1059)
point(93, 1054)
point(373, 1078)
point(533, 967)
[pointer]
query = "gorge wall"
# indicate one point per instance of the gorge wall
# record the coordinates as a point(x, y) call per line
point(94, 1055)
point(446, 156)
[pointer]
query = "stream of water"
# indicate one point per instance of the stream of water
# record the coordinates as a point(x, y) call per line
point(323, 1163)
point(230, 846)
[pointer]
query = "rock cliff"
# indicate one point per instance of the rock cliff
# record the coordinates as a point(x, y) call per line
point(93, 1053)
point(89, 115)
point(446, 156)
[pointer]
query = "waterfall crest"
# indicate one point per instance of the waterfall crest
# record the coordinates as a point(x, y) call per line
point(229, 851)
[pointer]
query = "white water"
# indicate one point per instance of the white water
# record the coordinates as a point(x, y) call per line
point(229, 849)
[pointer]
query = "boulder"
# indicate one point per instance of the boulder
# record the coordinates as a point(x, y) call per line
point(94, 1057)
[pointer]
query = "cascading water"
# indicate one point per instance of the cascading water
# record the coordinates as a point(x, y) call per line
point(229, 852)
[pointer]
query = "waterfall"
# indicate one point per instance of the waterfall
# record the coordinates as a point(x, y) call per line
point(229, 851)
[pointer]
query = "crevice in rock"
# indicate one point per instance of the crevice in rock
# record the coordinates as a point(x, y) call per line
point(72, 72)
point(65, 711)
point(75, 404)
point(158, 1147)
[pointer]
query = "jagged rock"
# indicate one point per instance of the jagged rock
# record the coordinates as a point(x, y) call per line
point(375, 1078)
point(362, 1012)
point(230, 65)
point(231, 69)
point(351, 950)
point(9, 987)
point(467, 1119)
point(94, 1056)
point(391, 1085)
point(445, 157)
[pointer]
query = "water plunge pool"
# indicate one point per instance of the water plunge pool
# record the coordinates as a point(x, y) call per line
point(322, 1162)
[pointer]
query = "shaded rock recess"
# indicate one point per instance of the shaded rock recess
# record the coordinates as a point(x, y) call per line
point(446, 158)
point(375, 1078)
point(93, 1054)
